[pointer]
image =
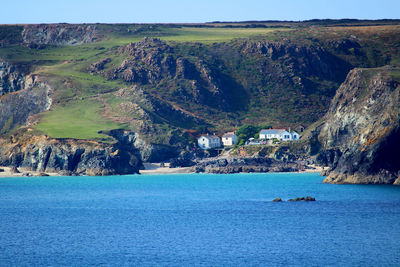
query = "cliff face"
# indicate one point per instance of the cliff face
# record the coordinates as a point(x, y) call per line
point(73, 157)
point(11, 79)
point(154, 63)
point(58, 34)
point(31, 97)
point(306, 60)
point(361, 136)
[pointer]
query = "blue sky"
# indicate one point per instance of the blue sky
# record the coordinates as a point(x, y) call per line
point(148, 11)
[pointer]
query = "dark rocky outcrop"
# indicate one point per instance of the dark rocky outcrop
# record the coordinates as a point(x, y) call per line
point(73, 157)
point(153, 62)
point(36, 35)
point(99, 65)
point(185, 159)
point(17, 107)
point(246, 165)
point(362, 130)
point(309, 60)
point(148, 62)
point(308, 198)
point(278, 199)
point(11, 79)
point(150, 152)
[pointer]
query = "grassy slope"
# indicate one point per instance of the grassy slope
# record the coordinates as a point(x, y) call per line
point(77, 108)
point(79, 120)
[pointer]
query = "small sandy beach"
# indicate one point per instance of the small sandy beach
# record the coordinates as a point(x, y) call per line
point(155, 168)
point(312, 169)
point(7, 172)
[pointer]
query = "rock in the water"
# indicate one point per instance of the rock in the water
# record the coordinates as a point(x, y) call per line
point(278, 199)
point(308, 198)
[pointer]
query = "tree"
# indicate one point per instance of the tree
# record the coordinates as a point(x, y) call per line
point(245, 132)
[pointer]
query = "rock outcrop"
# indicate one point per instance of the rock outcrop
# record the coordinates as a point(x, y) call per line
point(153, 62)
point(58, 34)
point(307, 60)
point(308, 198)
point(73, 157)
point(361, 136)
point(150, 152)
point(17, 107)
point(247, 165)
point(11, 79)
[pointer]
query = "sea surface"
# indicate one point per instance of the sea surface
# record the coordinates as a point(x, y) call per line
point(197, 220)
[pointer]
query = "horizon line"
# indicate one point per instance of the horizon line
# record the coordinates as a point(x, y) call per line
point(216, 21)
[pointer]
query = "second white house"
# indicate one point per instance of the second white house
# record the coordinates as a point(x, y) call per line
point(280, 134)
point(229, 139)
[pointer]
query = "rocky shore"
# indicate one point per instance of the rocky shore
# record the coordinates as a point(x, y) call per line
point(249, 165)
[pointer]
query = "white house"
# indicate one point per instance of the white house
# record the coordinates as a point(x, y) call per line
point(209, 141)
point(295, 136)
point(280, 134)
point(229, 139)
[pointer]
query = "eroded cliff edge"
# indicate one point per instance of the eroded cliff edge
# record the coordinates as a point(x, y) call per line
point(361, 135)
point(73, 157)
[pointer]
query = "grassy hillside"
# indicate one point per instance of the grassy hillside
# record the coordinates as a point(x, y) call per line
point(281, 74)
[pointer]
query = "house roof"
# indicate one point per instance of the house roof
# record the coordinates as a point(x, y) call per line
point(272, 131)
point(209, 137)
point(229, 135)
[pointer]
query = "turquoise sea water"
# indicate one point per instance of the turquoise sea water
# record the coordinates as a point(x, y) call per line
point(197, 219)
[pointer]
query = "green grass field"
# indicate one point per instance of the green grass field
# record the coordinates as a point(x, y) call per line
point(80, 120)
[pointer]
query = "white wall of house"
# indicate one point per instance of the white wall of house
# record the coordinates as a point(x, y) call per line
point(282, 136)
point(230, 140)
point(270, 136)
point(208, 142)
point(285, 136)
point(295, 136)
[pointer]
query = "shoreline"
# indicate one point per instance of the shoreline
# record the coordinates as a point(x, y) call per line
point(150, 169)
point(24, 172)
point(155, 168)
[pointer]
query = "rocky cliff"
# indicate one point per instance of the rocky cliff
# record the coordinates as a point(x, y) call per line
point(73, 157)
point(155, 63)
point(23, 97)
point(361, 136)
point(11, 79)
point(31, 97)
point(58, 34)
